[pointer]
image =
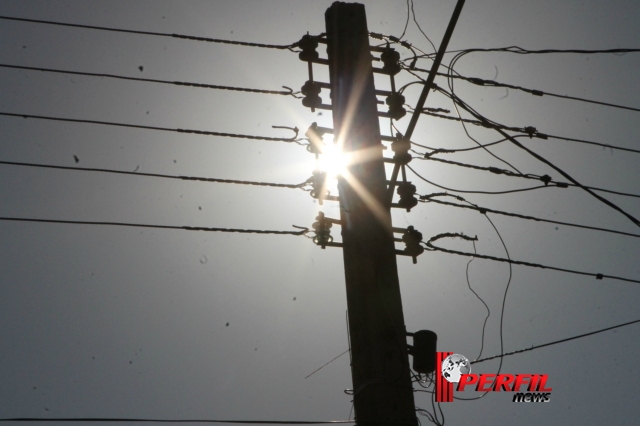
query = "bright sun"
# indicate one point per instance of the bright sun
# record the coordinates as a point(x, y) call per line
point(333, 161)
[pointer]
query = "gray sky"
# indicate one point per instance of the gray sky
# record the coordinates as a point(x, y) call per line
point(126, 322)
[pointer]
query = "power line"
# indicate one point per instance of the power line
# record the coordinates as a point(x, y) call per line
point(466, 120)
point(555, 342)
point(320, 368)
point(492, 83)
point(166, 129)
point(436, 65)
point(430, 245)
point(288, 92)
point(479, 192)
point(529, 131)
point(429, 199)
point(489, 124)
point(303, 231)
point(604, 145)
point(420, 28)
point(483, 146)
point(543, 178)
point(406, 24)
point(479, 116)
point(521, 51)
point(191, 178)
point(112, 419)
point(181, 36)
point(453, 150)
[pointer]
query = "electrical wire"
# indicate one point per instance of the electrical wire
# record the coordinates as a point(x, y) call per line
point(406, 24)
point(468, 121)
point(483, 146)
point(435, 151)
point(484, 326)
point(436, 64)
point(318, 369)
point(523, 130)
point(583, 141)
point(115, 419)
point(543, 178)
point(504, 301)
point(492, 83)
point(555, 342)
point(479, 192)
point(192, 178)
point(288, 92)
point(165, 129)
point(516, 49)
point(598, 276)
point(482, 82)
point(462, 104)
point(455, 98)
point(521, 51)
point(180, 36)
point(303, 230)
point(429, 199)
point(435, 51)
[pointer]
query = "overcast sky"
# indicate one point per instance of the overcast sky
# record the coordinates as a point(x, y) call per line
point(128, 322)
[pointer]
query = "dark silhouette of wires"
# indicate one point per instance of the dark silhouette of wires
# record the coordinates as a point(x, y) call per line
point(413, 13)
point(435, 151)
point(480, 192)
point(458, 102)
point(406, 24)
point(484, 325)
point(482, 82)
point(484, 123)
point(181, 36)
point(464, 127)
point(288, 92)
point(514, 49)
point(303, 231)
point(523, 130)
point(521, 51)
point(492, 83)
point(484, 210)
point(504, 301)
point(528, 132)
point(165, 129)
point(191, 178)
point(430, 245)
point(586, 142)
point(320, 368)
point(543, 178)
point(112, 419)
point(555, 342)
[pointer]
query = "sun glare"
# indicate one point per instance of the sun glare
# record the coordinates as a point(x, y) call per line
point(333, 161)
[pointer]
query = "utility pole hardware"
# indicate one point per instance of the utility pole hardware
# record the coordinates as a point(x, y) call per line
point(382, 388)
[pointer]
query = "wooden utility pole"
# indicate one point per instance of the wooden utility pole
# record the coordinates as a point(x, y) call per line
point(382, 389)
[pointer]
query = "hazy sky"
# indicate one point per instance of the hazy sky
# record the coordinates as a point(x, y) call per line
point(126, 322)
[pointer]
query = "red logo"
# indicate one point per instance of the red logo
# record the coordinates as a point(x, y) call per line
point(454, 368)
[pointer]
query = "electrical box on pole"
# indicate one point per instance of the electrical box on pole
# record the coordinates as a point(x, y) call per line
point(382, 388)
